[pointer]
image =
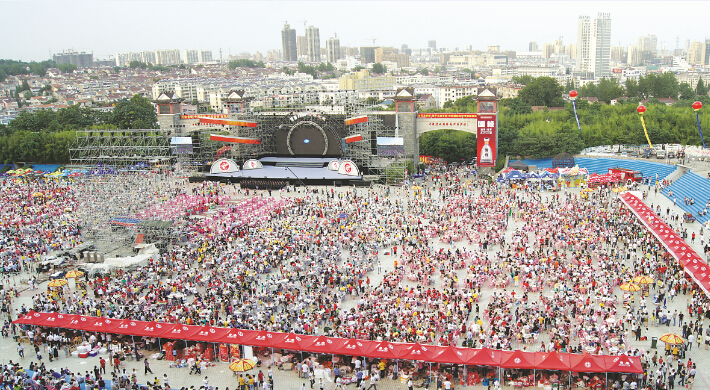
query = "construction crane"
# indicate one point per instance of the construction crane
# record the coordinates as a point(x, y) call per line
point(285, 22)
point(304, 24)
point(373, 40)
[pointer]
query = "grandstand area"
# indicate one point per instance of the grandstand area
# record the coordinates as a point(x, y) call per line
point(694, 186)
point(602, 165)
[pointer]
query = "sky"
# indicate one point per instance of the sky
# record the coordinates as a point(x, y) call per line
point(31, 30)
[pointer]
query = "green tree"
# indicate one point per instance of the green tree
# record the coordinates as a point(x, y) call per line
point(379, 68)
point(451, 145)
point(686, 92)
point(632, 88)
point(424, 71)
point(136, 113)
point(515, 106)
point(609, 89)
point(524, 79)
point(543, 91)
point(701, 89)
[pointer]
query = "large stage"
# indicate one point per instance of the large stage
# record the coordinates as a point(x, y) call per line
point(292, 170)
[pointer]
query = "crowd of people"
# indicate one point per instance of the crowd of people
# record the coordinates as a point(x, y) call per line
point(475, 263)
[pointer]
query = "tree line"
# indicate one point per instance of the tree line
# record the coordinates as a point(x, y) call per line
point(45, 136)
point(547, 132)
point(16, 68)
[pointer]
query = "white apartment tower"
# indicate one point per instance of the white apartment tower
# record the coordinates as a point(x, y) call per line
point(313, 38)
point(332, 46)
point(594, 45)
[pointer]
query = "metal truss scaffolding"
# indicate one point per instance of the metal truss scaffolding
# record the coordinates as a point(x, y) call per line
point(120, 148)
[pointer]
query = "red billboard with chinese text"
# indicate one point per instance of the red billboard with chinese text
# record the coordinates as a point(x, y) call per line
point(486, 140)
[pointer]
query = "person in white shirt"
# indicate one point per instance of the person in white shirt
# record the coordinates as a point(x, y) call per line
point(447, 385)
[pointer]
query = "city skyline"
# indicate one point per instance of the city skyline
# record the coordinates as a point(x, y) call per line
point(83, 26)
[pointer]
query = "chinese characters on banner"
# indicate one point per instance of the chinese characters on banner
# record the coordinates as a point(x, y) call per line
point(486, 137)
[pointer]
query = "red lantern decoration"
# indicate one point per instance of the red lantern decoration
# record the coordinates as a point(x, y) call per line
point(573, 94)
point(641, 109)
point(697, 106)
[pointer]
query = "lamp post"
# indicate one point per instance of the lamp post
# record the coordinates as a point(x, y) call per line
point(697, 106)
point(573, 95)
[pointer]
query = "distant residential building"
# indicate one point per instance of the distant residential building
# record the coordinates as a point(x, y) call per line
point(617, 54)
point(649, 44)
point(493, 49)
point(81, 60)
point(385, 54)
point(532, 46)
point(332, 46)
point(633, 56)
point(367, 55)
point(362, 80)
point(432, 45)
point(699, 53)
point(288, 42)
point(167, 57)
point(302, 46)
point(594, 45)
point(189, 56)
point(313, 38)
point(547, 50)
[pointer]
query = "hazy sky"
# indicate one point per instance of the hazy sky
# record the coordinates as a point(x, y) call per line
point(31, 30)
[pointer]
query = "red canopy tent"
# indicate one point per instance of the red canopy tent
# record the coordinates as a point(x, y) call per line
point(27, 319)
point(485, 357)
point(419, 352)
point(518, 359)
point(55, 320)
point(587, 363)
point(94, 324)
point(624, 364)
point(180, 332)
point(261, 338)
point(552, 361)
point(293, 341)
point(322, 344)
point(385, 350)
point(213, 334)
point(453, 355)
point(354, 347)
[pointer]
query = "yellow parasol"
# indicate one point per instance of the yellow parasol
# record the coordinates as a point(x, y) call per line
point(671, 338)
point(74, 274)
point(643, 279)
point(242, 365)
point(57, 283)
point(631, 287)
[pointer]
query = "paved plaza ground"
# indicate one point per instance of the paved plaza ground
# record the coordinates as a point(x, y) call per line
point(221, 377)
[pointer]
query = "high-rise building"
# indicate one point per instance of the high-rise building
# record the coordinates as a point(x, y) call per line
point(617, 53)
point(571, 50)
point(288, 42)
point(332, 47)
point(695, 53)
point(302, 46)
point(313, 38)
point(633, 56)
point(432, 45)
point(385, 54)
point(649, 43)
point(532, 46)
point(167, 57)
point(81, 60)
point(547, 50)
point(367, 55)
point(204, 56)
point(594, 45)
point(406, 49)
point(190, 56)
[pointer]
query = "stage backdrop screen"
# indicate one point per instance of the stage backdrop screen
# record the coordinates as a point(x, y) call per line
point(181, 145)
point(390, 146)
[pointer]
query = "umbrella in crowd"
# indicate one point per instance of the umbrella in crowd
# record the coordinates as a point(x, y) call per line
point(57, 283)
point(630, 287)
point(643, 279)
point(671, 338)
point(74, 274)
point(242, 365)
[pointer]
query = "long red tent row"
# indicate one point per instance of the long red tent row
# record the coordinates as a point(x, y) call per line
point(693, 264)
point(339, 346)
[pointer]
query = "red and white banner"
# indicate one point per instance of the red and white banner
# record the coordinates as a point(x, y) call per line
point(353, 138)
point(227, 122)
point(355, 120)
point(235, 140)
point(692, 263)
point(486, 140)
